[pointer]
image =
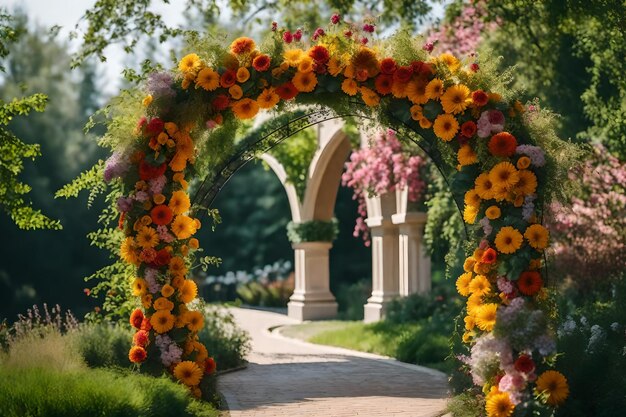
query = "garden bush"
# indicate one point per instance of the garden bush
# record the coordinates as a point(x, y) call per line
point(104, 344)
point(226, 342)
point(351, 297)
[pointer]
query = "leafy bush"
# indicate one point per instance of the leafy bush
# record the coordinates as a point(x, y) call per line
point(49, 392)
point(313, 231)
point(441, 304)
point(225, 341)
point(104, 345)
point(351, 298)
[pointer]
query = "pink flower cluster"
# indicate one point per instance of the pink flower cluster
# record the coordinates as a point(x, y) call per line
point(170, 351)
point(589, 235)
point(379, 169)
point(461, 36)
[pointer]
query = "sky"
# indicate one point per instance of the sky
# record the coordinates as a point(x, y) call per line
point(67, 13)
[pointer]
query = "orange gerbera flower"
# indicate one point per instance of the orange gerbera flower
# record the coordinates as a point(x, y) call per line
point(369, 97)
point(261, 62)
point(446, 127)
point(529, 282)
point(502, 144)
point(162, 321)
point(183, 227)
point(208, 79)
point(243, 45)
point(195, 320)
point(188, 291)
point(287, 91)
point(137, 354)
point(268, 98)
point(304, 81)
point(179, 203)
point(350, 87)
point(383, 84)
point(161, 215)
point(245, 108)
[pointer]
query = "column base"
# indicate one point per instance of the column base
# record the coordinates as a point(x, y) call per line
point(373, 312)
point(312, 310)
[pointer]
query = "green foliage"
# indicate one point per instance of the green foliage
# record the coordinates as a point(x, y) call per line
point(89, 180)
point(466, 405)
point(44, 391)
point(226, 342)
point(103, 345)
point(313, 231)
point(275, 294)
point(351, 297)
point(295, 155)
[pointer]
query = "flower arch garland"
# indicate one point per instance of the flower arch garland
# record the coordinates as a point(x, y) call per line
point(486, 142)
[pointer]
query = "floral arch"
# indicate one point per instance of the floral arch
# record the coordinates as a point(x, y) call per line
point(489, 146)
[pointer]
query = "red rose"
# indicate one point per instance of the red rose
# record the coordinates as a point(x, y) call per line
point(163, 257)
point(388, 66)
point(228, 78)
point(155, 126)
point(524, 364)
point(403, 74)
point(468, 129)
point(220, 102)
point(496, 117)
point(148, 172)
point(319, 54)
point(480, 98)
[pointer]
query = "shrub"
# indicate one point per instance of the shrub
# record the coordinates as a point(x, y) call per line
point(225, 341)
point(351, 298)
point(104, 344)
point(49, 392)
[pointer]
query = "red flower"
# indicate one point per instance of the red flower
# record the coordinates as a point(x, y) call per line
point(220, 102)
point(319, 54)
point(145, 324)
point(137, 354)
point(287, 37)
point(335, 19)
point(524, 364)
point(502, 144)
point(287, 91)
point(496, 117)
point(297, 35)
point(210, 366)
point(529, 282)
point(468, 129)
point(489, 256)
point(261, 62)
point(136, 318)
point(383, 84)
point(148, 172)
point(141, 122)
point(161, 215)
point(141, 338)
point(420, 67)
point(480, 98)
point(228, 78)
point(319, 68)
point(388, 66)
point(163, 257)
point(403, 74)
point(474, 67)
point(155, 126)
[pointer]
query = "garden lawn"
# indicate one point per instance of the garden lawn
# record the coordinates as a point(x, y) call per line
point(419, 343)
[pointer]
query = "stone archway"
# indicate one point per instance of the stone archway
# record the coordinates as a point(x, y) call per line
point(400, 265)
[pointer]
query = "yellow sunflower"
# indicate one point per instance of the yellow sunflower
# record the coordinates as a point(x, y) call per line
point(208, 79)
point(194, 320)
point(146, 301)
point(554, 385)
point(462, 284)
point(508, 240)
point(537, 236)
point(147, 237)
point(493, 212)
point(190, 63)
point(350, 87)
point(183, 227)
point(188, 372)
point(139, 287)
point(370, 97)
point(486, 316)
point(416, 92)
point(484, 186)
point(466, 155)
point(472, 198)
point(305, 64)
point(128, 251)
point(473, 303)
point(293, 56)
point(479, 285)
point(504, 175)
point(434, 89)
point(179, 202)
point(188, 291)
point(268, 98)
point(499, 405)
point(527, 183)
point(304, 81)
point(456, 99)
point(245, 109)
point(162, 321)
point(446, 127)
point(468, 265)
point(451, 61)
point(469, 214)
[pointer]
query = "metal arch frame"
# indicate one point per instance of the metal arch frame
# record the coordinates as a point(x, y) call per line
point(214, 182)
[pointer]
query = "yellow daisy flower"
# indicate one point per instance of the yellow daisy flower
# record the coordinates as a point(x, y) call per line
point(456, 99)
point(508, 240)
point(537, 236)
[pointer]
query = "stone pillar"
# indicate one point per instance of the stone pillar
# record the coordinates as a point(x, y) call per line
point(312, 299)
point(384, 237)
point(414, 268)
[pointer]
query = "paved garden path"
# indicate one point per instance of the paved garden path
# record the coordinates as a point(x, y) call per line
point(287, 377)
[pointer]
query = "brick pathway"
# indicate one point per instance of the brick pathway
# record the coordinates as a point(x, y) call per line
point(287, 377)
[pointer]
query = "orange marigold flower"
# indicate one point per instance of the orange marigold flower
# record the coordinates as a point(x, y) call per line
point(502, 144)
point(268, 98)
point(167, 290)
point(261, 62)
point(161, 215)
point(349, 86)
point(245, 108)
point(179, 203)
point(228, 78)
point(208, 79)
point(305, 81)
point(141, 338)
point(235, 92)
point(163, 303)
point(243, 75)
point(319, 54)
point(383, 84)
point(137, 354)
point(370, 97)
point(243, 45)
point(529, 283)
point(136, 317)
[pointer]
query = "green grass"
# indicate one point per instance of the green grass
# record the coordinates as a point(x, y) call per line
point(419, 343)
point(50, 392)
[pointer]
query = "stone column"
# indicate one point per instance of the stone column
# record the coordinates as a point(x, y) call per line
point(384, 237)
point(414, 268)
point(312, 299)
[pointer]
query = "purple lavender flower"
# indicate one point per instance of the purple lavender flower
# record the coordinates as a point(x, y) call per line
point(535, 153)
point(124, 204)
point(160, 84)
point(116, 166)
